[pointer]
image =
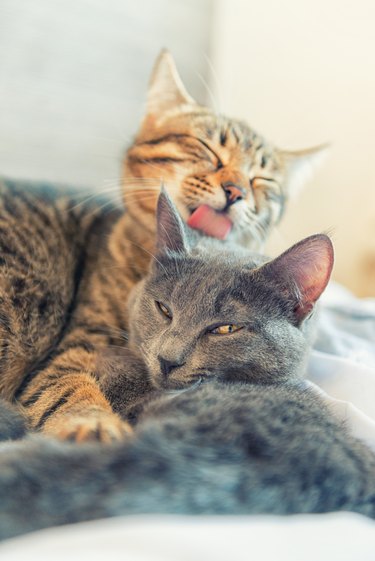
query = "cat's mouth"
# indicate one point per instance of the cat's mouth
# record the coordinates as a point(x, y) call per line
point(172, 386)
point(210, 222)
point(186, 388)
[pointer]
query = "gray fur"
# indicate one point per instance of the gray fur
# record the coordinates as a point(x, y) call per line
point(234, 430)
point(218, 449)
point(12, 424)
point(206, 285)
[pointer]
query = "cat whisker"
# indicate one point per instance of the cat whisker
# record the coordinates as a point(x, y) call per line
point(256, 234)
point(215, 78)
point(257, 229)
point(139, 198)
point(100, 208)
point(141, 192)
point(187, 388)
point(151, 255)
point(202, 372)
point(213, 100)
point(261, 229)
point(134, 180)
point(113, 330)
point(121, 347)
point(92, 197)
point(143, 185)
point(133, 265)
point(250, 226)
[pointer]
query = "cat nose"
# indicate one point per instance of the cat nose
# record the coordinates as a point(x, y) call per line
point(166, 366)
point(233, 192)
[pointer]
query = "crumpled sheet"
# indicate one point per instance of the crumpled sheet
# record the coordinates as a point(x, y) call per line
point(339, 536)
point(342, 362)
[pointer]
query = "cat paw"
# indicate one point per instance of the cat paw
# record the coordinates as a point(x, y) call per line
point(100, 427)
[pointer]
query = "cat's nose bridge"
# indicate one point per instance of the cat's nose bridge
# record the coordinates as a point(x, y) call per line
point(234, 183)
point(172, 352)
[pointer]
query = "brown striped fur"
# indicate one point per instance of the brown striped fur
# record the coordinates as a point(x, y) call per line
point(66, 269)
point(61, 302)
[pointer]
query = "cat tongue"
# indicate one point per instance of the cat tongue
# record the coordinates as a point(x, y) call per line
point(210, 222)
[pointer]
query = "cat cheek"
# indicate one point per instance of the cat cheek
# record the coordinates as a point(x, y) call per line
point(155, 377)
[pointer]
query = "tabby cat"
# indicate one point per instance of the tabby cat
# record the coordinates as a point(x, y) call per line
point(240, 432)
point(66, 268)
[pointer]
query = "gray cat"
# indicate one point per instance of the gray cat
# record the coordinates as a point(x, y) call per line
point(223, 423)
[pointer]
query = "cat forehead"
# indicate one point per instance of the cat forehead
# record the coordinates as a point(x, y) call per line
point(204, 124)
point(214, 283)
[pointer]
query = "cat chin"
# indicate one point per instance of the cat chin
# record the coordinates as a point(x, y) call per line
point(187, 388)
point(172, 386)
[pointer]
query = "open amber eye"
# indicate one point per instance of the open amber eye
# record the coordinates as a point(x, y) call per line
point(226, 329)
point(164, 310)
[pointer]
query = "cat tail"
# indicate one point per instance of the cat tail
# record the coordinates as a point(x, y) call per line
point(12, 423)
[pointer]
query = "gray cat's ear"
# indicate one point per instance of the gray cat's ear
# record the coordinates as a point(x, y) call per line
point(302, 272)
point(170, 230)
point(301, 165)
point(166, 89)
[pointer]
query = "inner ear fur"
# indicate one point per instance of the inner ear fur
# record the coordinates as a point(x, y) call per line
point(302, 272)
point(166, 89)
point(170, 229)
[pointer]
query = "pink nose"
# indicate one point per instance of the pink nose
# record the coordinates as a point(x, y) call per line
point(233, 192)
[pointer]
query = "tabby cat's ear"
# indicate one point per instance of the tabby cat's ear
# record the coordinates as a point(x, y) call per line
point(166, 89)
point(301, 165)
point(302, 272)
point(170, 230)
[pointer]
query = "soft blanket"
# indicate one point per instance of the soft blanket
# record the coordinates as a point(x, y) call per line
point(342, 363)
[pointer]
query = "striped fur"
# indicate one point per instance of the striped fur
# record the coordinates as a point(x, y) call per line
point(66, 269)
point(61, 303)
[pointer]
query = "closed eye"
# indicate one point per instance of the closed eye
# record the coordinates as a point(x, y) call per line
point(219, 163)
point(165, 311)
point(260, 179)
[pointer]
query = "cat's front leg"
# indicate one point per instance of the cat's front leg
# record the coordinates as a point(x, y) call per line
point(124, 381)
point(91, 419)
point(64, 399)
point(93, 424)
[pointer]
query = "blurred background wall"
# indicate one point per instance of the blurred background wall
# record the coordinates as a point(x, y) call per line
point(73, 79)
point(73, 76)
point(302, 72)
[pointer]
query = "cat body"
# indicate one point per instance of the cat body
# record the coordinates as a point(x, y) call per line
point(59, 304)
point(67, 267)
point(217, 449)
point(214, 431)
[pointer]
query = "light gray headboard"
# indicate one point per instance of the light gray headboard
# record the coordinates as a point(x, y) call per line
point(73, 76)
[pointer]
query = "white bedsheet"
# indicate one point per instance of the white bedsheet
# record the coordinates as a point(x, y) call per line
point(308, 537)
point(342, 363)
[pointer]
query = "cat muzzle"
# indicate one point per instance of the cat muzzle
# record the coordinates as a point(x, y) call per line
point(166, 366)
point(233, 193)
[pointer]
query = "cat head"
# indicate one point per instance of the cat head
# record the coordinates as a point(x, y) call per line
point(226, 180)
point(204, 313)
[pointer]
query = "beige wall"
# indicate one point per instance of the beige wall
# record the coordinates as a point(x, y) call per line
point(73, 79)
point(302, 72)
